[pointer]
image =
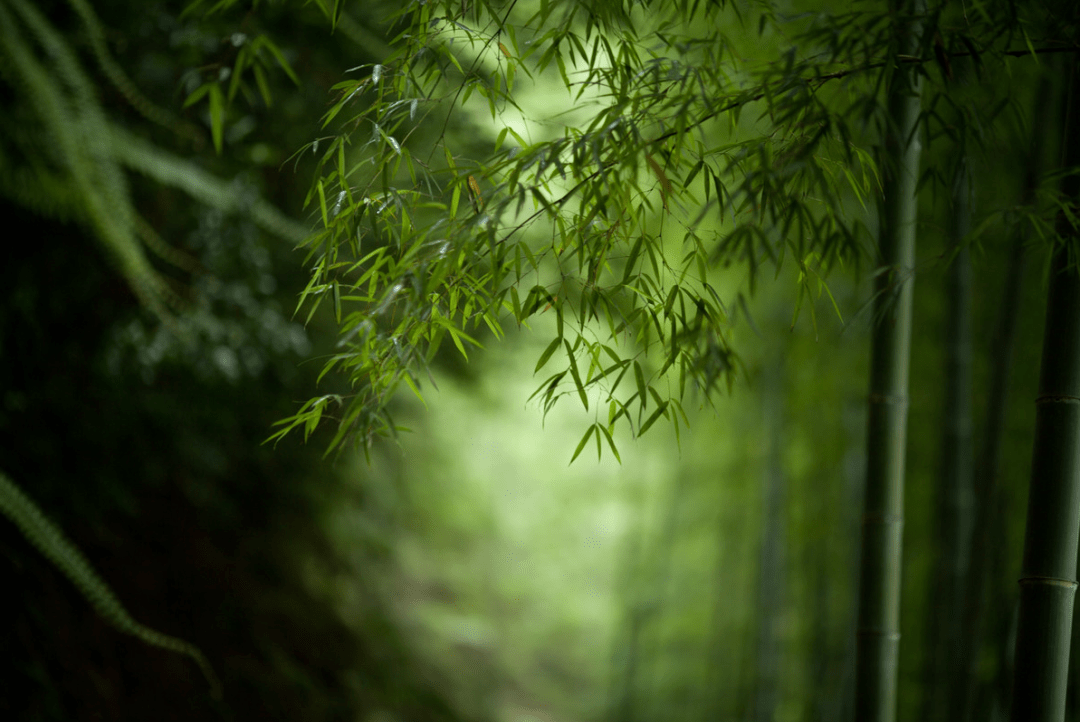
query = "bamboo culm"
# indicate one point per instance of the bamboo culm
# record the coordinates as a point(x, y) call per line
point(878, 627)
point(1048, 576)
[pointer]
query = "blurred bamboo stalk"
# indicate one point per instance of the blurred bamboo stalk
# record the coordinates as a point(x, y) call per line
point(1048, 577)
point(878, 626)
point(953, 506)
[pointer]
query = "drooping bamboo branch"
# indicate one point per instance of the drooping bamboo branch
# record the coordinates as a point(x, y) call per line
point(878, 628)
point(1048, 576)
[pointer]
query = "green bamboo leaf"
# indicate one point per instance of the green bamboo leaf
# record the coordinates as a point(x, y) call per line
point(516, 302)
point(611, 443)
point(407, 378)
point(239, 66)
point(312, 417)
point(612, 354)
point(281, 61)
point(547, 388)
point(631, 261)
point(581, 445)
point(263, 85)
point(518, 138)
point(322, 204)
point(562, 70)
point(670, 302)
point(217, 116)
point(639, 376)
point(197, 94)
point(693, 173)
point(456, 334)
point(555, 342)
point(577, 376)
point(542, 200)
point(457, 341)
point(455, 199)
point(652, 419)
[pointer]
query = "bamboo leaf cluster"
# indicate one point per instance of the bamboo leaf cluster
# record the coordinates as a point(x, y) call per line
point(614, 216)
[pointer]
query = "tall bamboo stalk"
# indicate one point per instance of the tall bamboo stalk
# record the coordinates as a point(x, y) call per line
point(1048, 577)
point(984, 607)
point(945, 673)
point(878, 627)
point(771, 552)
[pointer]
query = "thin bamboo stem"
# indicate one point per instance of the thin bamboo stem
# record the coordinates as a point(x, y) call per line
point(878, 626)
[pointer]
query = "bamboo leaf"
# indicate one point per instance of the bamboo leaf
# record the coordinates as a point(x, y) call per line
point(407, 378)
point(555, 343)
point(665, 184)
point(281, 61)
point(639, 376)
point(652, 419)
point(197, 94)
point(581, 444)
point(455, 199)
point(217, 116)
point(474, 195)
point(577, 376)
point(611, 443)
point(322, 204)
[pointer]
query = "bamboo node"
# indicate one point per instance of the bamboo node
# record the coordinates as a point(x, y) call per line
point(891, 399)
point(1056, 399)
point(1051, 581)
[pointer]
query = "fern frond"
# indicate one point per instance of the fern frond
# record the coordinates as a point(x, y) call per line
point(75, 122)
point(80, 158)
point(170, 170)
point(157, 245)
point(54, 546)
point(46, 194)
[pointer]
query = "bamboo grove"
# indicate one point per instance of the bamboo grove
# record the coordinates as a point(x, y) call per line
point(670, 134)
point(683, 144)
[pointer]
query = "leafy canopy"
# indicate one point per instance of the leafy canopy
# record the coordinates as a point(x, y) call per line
point(662, 153)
